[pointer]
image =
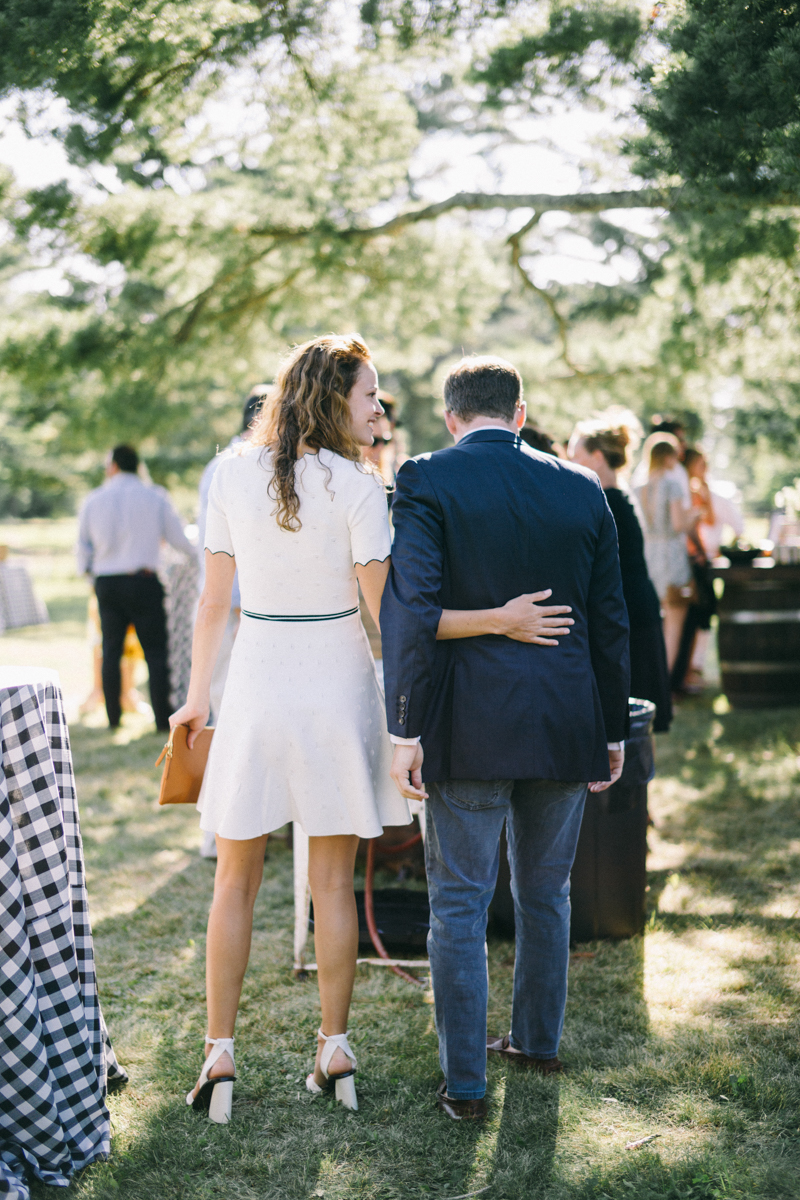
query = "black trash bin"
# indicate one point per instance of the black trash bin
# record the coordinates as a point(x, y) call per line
point(609, 873)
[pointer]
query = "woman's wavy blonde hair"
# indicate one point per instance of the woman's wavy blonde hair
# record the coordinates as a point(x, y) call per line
point(308, 405)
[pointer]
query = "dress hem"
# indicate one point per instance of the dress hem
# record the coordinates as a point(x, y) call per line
point(339, 833)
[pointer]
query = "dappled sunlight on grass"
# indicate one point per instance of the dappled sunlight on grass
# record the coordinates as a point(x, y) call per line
point(687, 976)
point(690, 1033)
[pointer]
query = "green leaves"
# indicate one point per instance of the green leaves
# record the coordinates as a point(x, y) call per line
point(129, 72)
point(578, 49)
point(723, 111)
point(412, 23)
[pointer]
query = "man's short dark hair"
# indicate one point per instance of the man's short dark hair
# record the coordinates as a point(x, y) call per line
point(480, 386)
point(126, 459)
point(252, 405)
point(389, 406)
point(673, 425)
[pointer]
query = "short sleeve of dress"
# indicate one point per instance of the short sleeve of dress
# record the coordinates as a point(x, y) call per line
point(673, 489)
point(370, 537)
point(218, 534)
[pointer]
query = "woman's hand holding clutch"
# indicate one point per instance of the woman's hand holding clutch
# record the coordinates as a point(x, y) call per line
point(192, 715)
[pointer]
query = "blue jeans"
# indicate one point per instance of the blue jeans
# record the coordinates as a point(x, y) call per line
point(462, 854)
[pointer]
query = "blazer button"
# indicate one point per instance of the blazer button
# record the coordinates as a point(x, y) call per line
point(401, 720)
point(402, 699)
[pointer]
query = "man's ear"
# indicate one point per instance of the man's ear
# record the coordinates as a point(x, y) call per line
point(520, 414)
point(451, 423)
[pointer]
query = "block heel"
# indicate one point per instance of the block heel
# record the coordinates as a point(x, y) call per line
point(219, 1108)
point(214, 1097)
point(344, 1083)
point(345, 1091)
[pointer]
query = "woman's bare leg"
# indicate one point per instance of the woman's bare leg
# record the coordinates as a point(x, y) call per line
point(331, 862)
point(240, 866)
point(674, 616)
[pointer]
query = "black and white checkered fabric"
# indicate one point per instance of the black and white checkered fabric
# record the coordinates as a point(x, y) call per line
point(180, 575)
point(55, 1054)
point(19, 604)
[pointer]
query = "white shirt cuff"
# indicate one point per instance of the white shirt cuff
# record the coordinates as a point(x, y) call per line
point(398, 741)
point(616, 745)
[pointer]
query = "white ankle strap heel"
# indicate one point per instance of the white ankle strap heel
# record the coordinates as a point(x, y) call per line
point(214, 1096)
point(344, 1081)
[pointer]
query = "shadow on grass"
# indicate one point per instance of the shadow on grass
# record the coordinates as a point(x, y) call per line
point(740, 822)
point(725, 1097)
point(281, 1142)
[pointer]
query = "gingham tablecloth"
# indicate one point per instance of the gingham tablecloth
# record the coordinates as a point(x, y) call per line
point(180, 577)
point(55, 1055)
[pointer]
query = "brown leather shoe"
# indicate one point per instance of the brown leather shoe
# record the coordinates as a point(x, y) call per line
point(544, 1066)
point(459, 1110)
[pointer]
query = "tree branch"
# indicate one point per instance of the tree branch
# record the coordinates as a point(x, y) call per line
point(674, 199)
point(561, 323)
point(198, 303)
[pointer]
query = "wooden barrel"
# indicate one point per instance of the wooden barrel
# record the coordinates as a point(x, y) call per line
point(759, 635)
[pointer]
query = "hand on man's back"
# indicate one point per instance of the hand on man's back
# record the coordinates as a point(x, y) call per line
point(525, 619)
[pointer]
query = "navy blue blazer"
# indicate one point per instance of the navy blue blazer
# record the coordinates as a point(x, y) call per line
point(475, 525)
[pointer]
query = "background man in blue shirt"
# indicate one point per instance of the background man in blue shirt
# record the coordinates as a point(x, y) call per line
point(122, 526)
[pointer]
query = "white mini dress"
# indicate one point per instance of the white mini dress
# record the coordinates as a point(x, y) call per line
point(301, 733)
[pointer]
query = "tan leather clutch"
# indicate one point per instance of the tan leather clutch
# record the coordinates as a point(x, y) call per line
point(183, 768)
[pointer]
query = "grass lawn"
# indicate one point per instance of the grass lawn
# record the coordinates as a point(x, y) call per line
point(690, 1033)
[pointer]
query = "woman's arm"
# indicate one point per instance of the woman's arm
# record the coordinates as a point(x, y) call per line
point(523, 619)
point(372, 580)
point(520, 619)
point(682, 518)
point(212, 617)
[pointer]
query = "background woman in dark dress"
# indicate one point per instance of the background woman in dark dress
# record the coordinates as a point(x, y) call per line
point(602, 445)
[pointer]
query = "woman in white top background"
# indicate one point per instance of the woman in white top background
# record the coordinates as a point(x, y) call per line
point(301, 733)
point(668, 517)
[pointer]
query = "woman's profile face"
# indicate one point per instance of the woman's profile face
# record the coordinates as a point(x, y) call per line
point(365, 407)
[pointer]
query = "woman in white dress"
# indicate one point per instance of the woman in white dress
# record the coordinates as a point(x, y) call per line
point(668, 516)
point(301, 734)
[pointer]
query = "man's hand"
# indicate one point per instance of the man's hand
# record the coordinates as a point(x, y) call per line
point(524, 619)
point(407, 772)
point(616, 761)
point(192, 715)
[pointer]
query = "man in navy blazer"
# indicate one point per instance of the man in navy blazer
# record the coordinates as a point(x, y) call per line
point(502, 730)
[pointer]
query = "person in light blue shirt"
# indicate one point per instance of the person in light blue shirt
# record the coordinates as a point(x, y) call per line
point(122, 525)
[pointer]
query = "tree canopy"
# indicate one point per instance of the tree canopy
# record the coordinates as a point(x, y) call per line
point(266, 185)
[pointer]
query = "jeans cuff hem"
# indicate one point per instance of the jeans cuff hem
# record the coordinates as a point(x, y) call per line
point(531, 1053)
point(473, 1095)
